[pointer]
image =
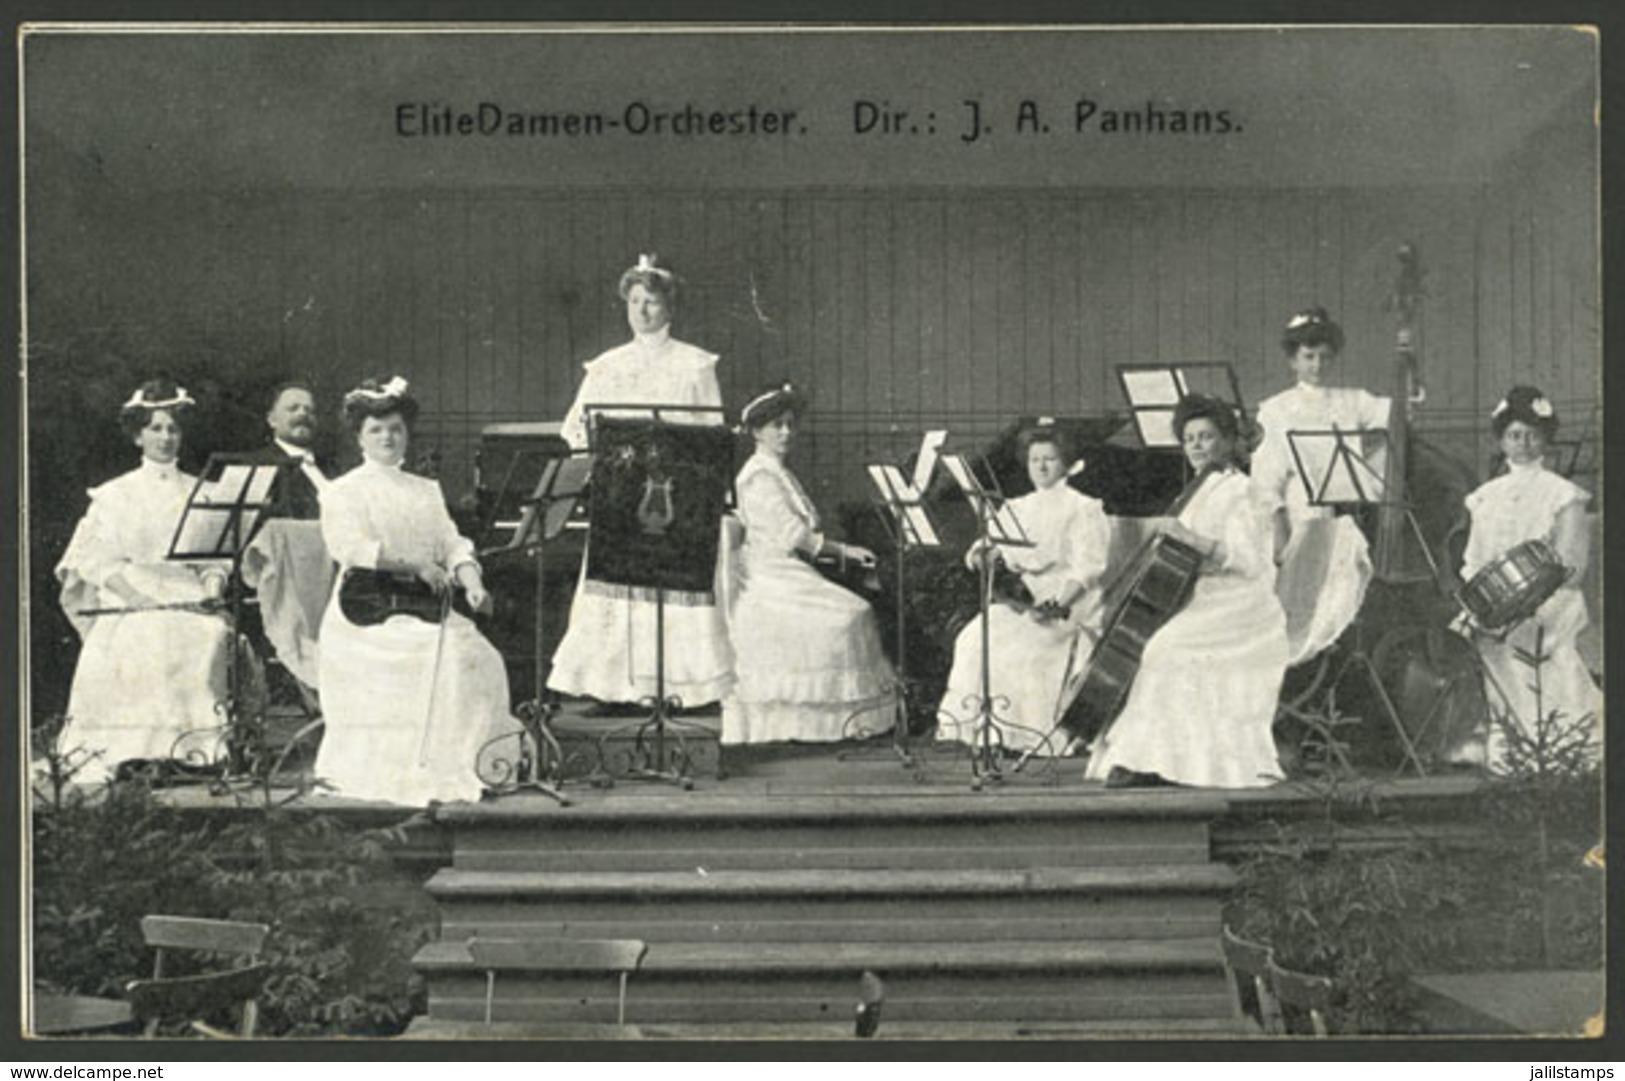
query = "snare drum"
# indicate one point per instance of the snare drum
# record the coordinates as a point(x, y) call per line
point(1512, 587)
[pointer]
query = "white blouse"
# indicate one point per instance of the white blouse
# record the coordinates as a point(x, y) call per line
point(1315, 409)
point(378, 513)
point(1071, 537)
point(651, 369)
point(1522, 504)
point(779, 518)
point(1234, 510)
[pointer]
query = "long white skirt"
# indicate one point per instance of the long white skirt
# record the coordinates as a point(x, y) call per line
point(1203, 703)
point(148, 685)
point(1566, 685)
point(608, 651)
point(388, 736)
point(808, 660)
point(1034, 673)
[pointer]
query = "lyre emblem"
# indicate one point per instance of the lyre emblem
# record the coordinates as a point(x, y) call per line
point(654, 509)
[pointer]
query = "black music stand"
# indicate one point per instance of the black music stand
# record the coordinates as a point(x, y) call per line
point(661, 482)
point(223, 514)
point(1337, 473)
point(996, 524)
point(1154, 391)
point(904, 515)
point(543, 516)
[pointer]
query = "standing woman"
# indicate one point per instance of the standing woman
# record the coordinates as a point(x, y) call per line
point(1203, 703)
point(1034, 653)
point(808, 651)
point(1529, 502)
point(408, 701)
point(608, 652)
point(147, 675)
point(1325, 560)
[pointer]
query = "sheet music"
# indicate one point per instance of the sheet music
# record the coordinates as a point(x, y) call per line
point(1340, 468)
point(568, 482)
point(905, 502)
point(960, 470)
point(1156, 427)
point(234, 479)
point(204, 530)
point(930, 446)
point(1152, 388)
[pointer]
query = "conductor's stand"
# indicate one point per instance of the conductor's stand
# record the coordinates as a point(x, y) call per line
point(661, 483)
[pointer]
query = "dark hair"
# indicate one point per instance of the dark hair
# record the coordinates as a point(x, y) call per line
point(1199, 407)
point(370, 400)
point(135, 414)
point(653, 277)
point(1046, 433)
point(1311, 327)
point(282, 388)
point(1524, 403)
point(769, 406)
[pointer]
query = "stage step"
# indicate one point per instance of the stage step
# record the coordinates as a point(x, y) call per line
point(1010, 982)
point(1193, 1028)
point(1037, 911)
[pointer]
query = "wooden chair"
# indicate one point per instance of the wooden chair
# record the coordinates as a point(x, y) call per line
point(1305, 1000)
point(1246, 963)
point(193, 998)
point(559, 957)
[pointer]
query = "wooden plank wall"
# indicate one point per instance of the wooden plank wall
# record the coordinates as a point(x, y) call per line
point(897, 309)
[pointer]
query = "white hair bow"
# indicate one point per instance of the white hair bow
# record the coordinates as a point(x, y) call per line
point(137, 401)
point(395, 388)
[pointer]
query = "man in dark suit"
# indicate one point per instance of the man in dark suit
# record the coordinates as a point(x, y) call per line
point(292, 420)
point(287, 565)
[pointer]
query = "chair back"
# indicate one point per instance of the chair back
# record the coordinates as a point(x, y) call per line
point(196, 997)
point(558, 956)
point(1247, 965)
point(225, 938)
point(1306, 1000)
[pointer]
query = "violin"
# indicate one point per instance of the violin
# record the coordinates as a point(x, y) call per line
point(368, 597)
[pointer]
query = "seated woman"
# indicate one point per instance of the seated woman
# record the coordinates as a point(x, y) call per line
point(408, 701)
point(1037, 654)
point(1203, 703)
point(149, 678)
point(1325, 561)
point(808, 662)
point(1529, 502)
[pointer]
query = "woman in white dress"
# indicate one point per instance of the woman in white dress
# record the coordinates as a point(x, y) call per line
point(1325, 560)
point(809, 664)
point(1529, 502)
point(1203, 703)
point(608, 651)
point(1039, 654)
point(151, 678)
point(408, 699)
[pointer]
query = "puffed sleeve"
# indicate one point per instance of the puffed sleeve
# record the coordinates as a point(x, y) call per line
point(1272, 463)
point(1247, 537)
point(1476, 553)
point(1374, 409)
point(574, 429)
point(704, 388)
point(1085, 543)
point(94, 552)
point(346, 529)
point(453, 549)
point(771, 519)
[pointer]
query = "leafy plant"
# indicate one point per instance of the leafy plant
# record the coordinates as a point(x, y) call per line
point(345, 920)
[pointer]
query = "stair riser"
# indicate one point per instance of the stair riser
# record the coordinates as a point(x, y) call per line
point(673, 919)
point(881, 844)
point(777, 1005)
point(457, 927)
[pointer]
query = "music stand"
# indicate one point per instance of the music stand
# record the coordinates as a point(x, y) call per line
point(996, 525)
point(679, 468)
point(223, 514)
point(543, 517)
point(902, 510)
point(1154, 391)
point(1348, 480)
